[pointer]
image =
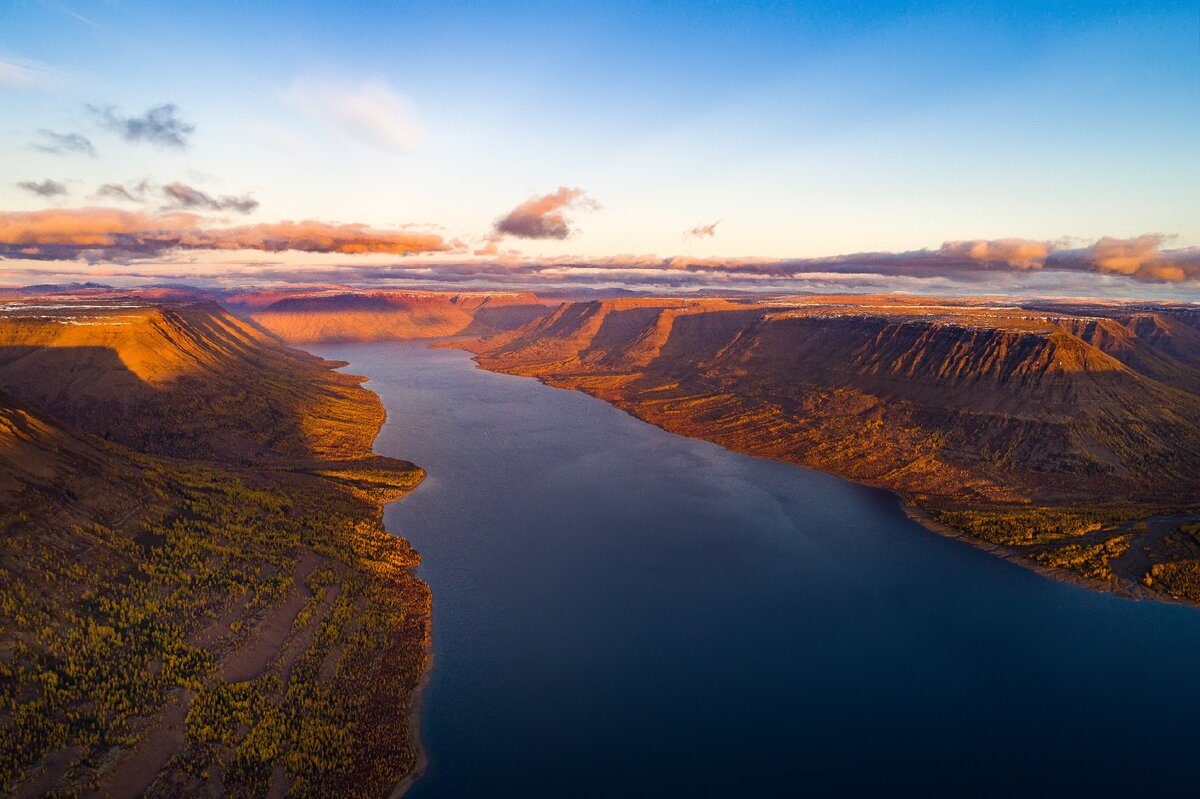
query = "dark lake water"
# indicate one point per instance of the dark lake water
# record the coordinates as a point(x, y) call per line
point(620, 612)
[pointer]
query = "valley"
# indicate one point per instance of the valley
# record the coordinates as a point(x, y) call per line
point(199, 596)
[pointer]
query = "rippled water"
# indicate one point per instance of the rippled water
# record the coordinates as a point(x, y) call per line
point(620, 612)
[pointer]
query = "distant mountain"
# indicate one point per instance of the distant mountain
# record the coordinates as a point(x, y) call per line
point(60, 288)
point(343, 314)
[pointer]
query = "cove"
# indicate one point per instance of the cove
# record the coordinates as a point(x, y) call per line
point(622, 612)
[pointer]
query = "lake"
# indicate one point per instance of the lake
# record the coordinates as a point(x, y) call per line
point(622, 612)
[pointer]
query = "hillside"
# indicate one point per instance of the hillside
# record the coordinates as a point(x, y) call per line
point(343, 314)
point(197, 596)
point(1023, 428)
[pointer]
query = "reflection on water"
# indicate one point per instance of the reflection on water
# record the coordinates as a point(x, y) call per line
point(623, 612)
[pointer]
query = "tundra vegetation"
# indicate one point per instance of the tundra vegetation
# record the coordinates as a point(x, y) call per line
point(188, 612)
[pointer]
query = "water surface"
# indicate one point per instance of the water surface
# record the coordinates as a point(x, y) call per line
point(621, 612)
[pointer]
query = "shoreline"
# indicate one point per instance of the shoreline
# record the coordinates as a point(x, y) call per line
point(418, 694)
point(1131, 591)
point(414, 726)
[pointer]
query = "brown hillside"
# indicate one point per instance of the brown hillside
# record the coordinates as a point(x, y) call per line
point(957, 405)
point(229, 620)
point(185, 379)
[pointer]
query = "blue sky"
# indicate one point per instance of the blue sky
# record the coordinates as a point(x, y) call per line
point(803, 130)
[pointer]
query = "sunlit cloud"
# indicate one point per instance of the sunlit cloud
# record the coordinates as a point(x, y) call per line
point(110, 234)
point(1140, 257)
point(543, 217)
point(371, 112)
point(702, 231)
point(160, 125)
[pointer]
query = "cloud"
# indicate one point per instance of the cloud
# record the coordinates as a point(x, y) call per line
point(26, 74)
point(702, 231)
point(160, 125)
point(183, 196)
point(371, 112)
point(47, 188)
point(1014, 253)
point(177, 196)
point(1140, 257)
point(116, 235)
point(129, 192)
point(62, 143)
point(543, 217)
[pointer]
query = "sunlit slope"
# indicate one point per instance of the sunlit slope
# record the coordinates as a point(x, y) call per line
point(184, 379)
point(961, 402)
point(344, 315)
point(1065, 436)
point(229, 620)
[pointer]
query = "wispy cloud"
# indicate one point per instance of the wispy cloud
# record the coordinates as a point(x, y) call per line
point(62, 143)
point(543, 217)
point(45, 188)
point(702, 231)
point(183, 196)
point(128, 192)
point(25, 74)
point(371, 112)
point(160, 125)
point(175, 196)
point(113, 234)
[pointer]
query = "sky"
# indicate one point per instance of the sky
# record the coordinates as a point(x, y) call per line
point(942, 147)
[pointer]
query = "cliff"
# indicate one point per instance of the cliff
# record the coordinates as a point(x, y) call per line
point(995, 420)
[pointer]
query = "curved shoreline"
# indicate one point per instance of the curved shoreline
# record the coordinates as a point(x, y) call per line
point(1129, 590)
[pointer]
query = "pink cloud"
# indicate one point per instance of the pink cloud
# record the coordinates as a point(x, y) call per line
point(113, 234)
point(543, 217)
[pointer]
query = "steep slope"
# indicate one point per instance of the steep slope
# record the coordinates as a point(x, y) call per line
point(351, 315)
point(1162, 343)
point(236, 623)
point(965, 409)
point(183, 379)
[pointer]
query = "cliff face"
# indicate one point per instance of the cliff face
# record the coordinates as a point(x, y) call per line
point(959, 407)
point(349, 315)
point(197, 595)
